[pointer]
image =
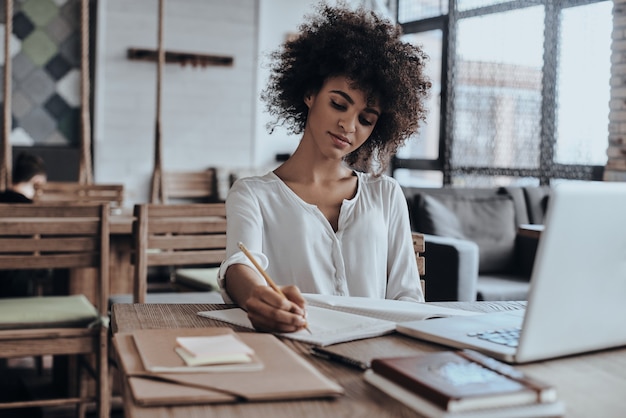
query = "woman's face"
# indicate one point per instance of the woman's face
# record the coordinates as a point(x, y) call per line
point(340, 118)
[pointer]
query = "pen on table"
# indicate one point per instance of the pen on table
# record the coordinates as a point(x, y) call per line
point(266, 276)
point(329, 355)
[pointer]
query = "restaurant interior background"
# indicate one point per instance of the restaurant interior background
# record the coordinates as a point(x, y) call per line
point(520, 93)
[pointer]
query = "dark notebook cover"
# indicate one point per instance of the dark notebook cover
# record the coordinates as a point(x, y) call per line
point(461, 381)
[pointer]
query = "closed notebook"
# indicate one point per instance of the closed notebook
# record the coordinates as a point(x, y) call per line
point(463, 381)
point(291, 376)
point(428, 409)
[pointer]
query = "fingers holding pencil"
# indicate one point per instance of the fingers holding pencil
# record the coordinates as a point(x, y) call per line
point(291, 293)
point(270, 312)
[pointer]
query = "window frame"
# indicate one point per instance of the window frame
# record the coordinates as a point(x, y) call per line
point(548, 169)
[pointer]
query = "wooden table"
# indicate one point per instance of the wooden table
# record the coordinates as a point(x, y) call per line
point(590, 385)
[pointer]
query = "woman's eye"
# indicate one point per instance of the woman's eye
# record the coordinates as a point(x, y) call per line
point(337, 105)
point(365, 122)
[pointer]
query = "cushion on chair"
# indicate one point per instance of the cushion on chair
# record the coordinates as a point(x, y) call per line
point(488, 221)
point(47, 312)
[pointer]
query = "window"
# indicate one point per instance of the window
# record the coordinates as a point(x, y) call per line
point(425, 144)
point(520, 91)
point(584, 69)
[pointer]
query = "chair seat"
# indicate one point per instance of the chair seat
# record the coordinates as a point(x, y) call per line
point(198, 278)
point(47, 312)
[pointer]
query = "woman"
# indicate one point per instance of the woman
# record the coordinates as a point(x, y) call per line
point(327, 221)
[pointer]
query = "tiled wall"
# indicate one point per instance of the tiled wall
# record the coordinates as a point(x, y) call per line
point(45, 50)
point(615, 169)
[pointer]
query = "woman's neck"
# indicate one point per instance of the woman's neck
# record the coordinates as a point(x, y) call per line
point(305, 167)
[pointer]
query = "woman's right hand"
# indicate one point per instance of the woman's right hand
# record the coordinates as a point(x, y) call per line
point(271, 312)
point(267, 309)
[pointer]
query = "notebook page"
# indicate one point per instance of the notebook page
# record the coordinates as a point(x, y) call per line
point(387, 309)
point(327, 326)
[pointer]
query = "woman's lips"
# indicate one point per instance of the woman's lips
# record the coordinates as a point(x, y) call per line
point(340, 140)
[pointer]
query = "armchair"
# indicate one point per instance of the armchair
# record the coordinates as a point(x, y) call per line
point(472, 240)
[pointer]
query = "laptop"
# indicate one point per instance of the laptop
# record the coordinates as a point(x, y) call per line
point(577, 296)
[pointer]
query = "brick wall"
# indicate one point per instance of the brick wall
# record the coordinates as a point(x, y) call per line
point(615, 169)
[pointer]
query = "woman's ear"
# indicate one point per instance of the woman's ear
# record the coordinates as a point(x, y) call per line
point(308, 99)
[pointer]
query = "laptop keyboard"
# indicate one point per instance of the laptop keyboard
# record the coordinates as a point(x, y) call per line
point(508, 337)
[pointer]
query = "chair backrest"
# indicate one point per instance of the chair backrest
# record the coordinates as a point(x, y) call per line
point(176, 235)
point(190, 186)
point(419, 248)
point(53, 236)
point(39, 236)
point(80, 193)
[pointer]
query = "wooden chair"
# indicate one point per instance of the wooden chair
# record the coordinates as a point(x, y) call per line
point(419, 248)
point(57, 237)
point(190, 186)
point(80, 193)
point(191, 235)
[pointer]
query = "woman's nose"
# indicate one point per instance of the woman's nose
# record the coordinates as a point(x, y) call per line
point(348, 124)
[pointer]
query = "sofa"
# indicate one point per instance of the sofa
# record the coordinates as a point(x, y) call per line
point(474, 248)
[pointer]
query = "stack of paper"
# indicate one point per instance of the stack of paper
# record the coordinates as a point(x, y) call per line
point(197, 352)
point(218, 349)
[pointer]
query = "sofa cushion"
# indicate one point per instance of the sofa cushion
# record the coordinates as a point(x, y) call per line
point(519, 200)
point(488, 221)
point(436, 219)
point(502, 287)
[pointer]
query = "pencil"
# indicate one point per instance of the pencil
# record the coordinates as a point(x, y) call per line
point(266, 276)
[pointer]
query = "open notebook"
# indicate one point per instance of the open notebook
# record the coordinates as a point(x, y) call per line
point(336, 319)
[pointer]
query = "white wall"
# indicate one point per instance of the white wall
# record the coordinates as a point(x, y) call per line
point(207, 113)
point(211, 117)
point(277, 19)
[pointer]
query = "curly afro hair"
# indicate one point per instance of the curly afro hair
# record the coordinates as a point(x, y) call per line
point(366, 49)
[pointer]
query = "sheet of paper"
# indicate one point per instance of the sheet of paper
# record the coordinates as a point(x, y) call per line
point(388, 309)
point(327, 326)
point(213, 345)
point(192, 360)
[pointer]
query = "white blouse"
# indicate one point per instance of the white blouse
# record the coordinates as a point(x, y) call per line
point(370, 255)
